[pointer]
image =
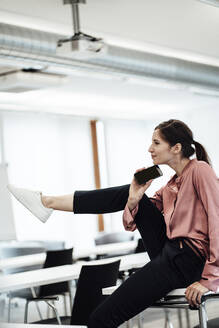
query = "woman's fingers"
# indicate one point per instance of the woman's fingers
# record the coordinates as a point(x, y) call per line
point(194, 298)
point(199, 296)
point(147, 185)
point(130, 227)
point(136, 191)
point(194, 293)
point(191, 295)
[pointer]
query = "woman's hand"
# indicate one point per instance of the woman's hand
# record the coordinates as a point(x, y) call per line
point(194, 293)
point(137, 191)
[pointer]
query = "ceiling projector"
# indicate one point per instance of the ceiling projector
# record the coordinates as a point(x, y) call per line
point(82, 47)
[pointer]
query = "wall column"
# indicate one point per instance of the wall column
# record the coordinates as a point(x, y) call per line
point(96, 167)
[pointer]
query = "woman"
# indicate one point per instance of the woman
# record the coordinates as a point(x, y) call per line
point(179, 225)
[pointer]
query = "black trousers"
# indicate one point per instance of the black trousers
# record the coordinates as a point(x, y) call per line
point(170, 266)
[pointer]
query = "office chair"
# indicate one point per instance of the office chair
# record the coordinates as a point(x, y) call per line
point(88, 295)
point(14, 251)
point(140, 246)
point(46, 292)
point(176, 299)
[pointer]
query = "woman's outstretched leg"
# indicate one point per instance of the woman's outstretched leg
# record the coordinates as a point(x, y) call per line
point(59, 203)
point(92, 201)
point(149, 220)
point(97, 201)
point(101, 201)
point(39, 205)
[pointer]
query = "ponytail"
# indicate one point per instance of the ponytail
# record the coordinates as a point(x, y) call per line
point(174, 131)
point(201, 153)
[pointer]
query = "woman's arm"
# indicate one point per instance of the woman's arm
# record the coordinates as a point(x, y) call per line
point(136, 193)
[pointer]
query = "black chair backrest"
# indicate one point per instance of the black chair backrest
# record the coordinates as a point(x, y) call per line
point(140, 246)
point(89, 289)
point(53, 259)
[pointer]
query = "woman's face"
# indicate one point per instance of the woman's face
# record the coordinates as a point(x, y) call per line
point(161, 151)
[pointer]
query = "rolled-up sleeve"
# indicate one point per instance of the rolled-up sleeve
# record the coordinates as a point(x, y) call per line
point(129, 217)
point(207, 188)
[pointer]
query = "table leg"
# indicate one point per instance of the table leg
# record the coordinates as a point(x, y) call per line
point(70, 294)
point(37, 305)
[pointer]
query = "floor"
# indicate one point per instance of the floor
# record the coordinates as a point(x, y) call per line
point(151, 317)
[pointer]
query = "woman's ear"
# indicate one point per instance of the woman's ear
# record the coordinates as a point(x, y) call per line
point(177, 148)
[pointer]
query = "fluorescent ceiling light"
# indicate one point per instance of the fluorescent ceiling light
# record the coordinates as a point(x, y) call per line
point(211, 2)
point(20, 81)
point(156, 83)
point(84, 104)
point(204, 92)
point(171, 85)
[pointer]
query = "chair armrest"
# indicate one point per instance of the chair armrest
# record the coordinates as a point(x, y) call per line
point(209, 295)
point(175, 294)
point(37, 299)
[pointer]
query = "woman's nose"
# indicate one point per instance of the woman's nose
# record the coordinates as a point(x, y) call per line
point(150, 149)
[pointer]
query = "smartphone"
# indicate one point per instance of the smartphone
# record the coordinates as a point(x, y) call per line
point(147, 174)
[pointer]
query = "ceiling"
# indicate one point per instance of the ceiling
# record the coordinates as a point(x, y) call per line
point(173, 27)
point(182, 25)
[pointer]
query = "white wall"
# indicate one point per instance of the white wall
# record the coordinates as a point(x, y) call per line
point(49, 153)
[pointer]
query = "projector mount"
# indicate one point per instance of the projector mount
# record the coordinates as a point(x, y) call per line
point(78, 35)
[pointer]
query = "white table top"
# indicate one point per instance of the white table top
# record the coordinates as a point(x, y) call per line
point(63, 273)
point(38, 259)
point(23, 325)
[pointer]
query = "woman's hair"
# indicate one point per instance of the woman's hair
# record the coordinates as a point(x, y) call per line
point(175, 131)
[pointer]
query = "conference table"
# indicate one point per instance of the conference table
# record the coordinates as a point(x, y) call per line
point(39, 259)
point(34, 278)
point(23, 325)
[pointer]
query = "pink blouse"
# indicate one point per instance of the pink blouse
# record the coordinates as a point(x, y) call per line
point(190, 205)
